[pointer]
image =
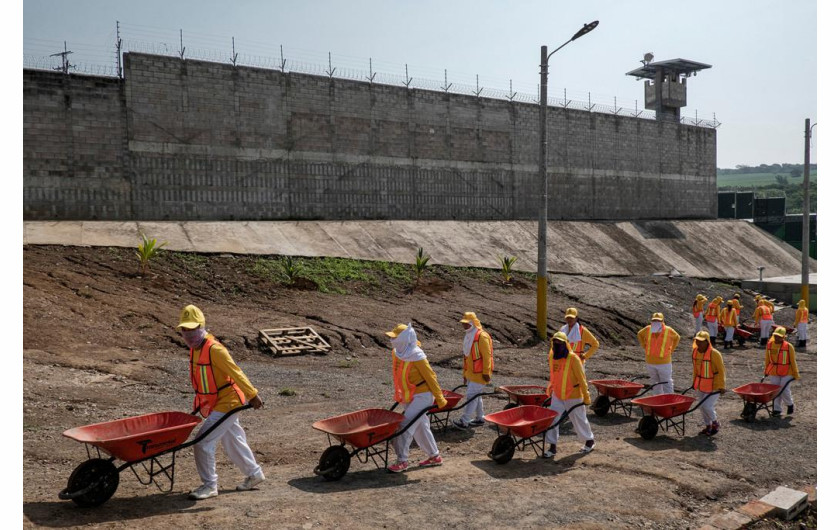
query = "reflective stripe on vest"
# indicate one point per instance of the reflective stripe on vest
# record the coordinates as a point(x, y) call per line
point(697, 310)
point(729, 317)
point(766, 314)
point(577, 347)
point(782, 362)
point(562, 389)
point(477, 362)
point(204, 382)
point(705, 380)
point(664, 341)
point(403, 389)
point(801, 316)
point(712, 312)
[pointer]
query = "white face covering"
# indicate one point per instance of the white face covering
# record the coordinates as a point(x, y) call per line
point(655, 326)
point(194, 337)
point(469, 337)
point(572, 335)
point(406, 346)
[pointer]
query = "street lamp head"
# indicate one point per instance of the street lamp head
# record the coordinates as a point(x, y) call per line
point(585, 29)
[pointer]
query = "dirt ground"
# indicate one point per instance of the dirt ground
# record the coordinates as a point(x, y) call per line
point(99, 345)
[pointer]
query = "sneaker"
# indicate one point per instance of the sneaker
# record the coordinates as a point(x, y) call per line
point(251, 482)
point(588, 446)
point(476, 423)
point(705, 430)
point(790, 410)
point(550, 452)
point(431, 462)
point(399, 467)
point(777, 413)
point(460, 424)
point(713, 430)
point(203, 492)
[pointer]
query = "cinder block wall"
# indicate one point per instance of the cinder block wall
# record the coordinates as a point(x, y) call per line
point(199, 140)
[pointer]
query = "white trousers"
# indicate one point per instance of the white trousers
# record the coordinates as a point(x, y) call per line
point(232, 436)
point(474, 409)
point(730, 333)
point(708, 406)
point(785, 397)
point(657, 373)
point(713, 328)
point(802, 330)
point(698, 322)
point(577, 416)
point(420, 431)
point(766, 328)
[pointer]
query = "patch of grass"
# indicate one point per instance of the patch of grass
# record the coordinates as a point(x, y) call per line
point(333, 275)
point(191, 260)
point(348, 363)
point(288, 392)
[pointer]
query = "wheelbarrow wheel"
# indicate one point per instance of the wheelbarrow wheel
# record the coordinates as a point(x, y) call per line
point(648, 427)
point(601, 406)
point(503, 449)
point(97, 471)
point(749, 412)
point(334, 463)
point(510, 406)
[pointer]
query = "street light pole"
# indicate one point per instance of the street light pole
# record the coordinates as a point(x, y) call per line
point(542, 267)
point(806, 214)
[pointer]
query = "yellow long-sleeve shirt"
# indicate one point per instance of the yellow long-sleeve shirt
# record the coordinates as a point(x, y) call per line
point(568, 386)
point(421, 375)
point(653, 356)
point(483, 350)
point(224, 367)
point(770, 355)
point(719, 371)
point(737, 305)
point(801, 316)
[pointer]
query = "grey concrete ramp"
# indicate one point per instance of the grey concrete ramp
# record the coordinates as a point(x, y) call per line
point(706, 249)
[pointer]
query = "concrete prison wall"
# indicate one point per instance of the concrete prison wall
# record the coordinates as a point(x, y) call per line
point(194, 140)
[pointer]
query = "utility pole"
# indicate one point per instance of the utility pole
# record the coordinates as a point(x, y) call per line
point(806, 214)
point(65, 64)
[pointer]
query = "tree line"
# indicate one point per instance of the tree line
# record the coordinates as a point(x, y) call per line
point(794, 170)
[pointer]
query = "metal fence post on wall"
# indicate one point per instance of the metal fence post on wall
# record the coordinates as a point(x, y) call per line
point(806, 215)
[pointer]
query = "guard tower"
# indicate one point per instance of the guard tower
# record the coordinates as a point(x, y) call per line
point(665, 90)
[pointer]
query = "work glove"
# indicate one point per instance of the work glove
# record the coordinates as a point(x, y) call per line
point(440, 403)
point(486, 377)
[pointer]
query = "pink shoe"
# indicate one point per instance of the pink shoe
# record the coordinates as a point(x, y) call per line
point(399, 467)
point(434, 461)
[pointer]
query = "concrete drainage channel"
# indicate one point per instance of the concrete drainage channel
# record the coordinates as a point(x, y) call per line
point(782, 503)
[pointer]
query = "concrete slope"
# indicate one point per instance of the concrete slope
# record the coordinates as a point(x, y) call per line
point(707, 249)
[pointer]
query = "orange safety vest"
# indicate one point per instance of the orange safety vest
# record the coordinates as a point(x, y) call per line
point(802, 315)
point(697, 310)
point(475, 355)
point(729, 317)
point(577, 347)
point(766, 314)
point(705, 380)
point(559, 378)
point(782, 362)
point(204, 382)
point(403, 388)
point(712, 312)
point(661, 347)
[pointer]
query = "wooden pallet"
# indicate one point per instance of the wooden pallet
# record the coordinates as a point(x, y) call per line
point(289, 341)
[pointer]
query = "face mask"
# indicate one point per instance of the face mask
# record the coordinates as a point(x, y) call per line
point(656, 326)
point(560, 349)
point(193, 337)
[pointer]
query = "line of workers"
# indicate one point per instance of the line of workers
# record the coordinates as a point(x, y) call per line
point(416, 385)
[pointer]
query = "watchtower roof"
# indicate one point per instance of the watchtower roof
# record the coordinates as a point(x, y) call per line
point(671, 66)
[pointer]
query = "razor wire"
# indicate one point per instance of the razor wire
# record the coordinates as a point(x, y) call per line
point(101, 61)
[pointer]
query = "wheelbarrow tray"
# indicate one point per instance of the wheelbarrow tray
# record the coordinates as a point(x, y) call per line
point(524, 421)
point(617, 388)
point(526, 394)
point(138, 437)
point(362, 428)
point(740, 331)
point(452, 400)
point(757, 392)
point(664, 405)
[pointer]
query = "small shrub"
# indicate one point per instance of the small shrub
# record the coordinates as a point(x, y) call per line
point(421, 263)
point(348, 363)
point(291, 268)
point(288, 392)
point(148, 250)
point(507, 267)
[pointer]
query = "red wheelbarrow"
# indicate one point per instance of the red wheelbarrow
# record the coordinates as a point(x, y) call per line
point(758, 396)
point(528, 423)
point(668, 410)
point(439, 417)
point(741, 334)
point(519, 395)
point(612, 394)
point(140, 442)
point(363, 430)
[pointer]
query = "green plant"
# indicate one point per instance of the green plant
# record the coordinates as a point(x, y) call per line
point(291, 268)
point(507, 267)
point(348, 363)
point(288, 392)
point(147, 250)
point(421, 263)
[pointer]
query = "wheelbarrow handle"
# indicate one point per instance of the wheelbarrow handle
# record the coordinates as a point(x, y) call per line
point(458, 388)
point(410, 423)
point(710, 394)
point(395, 405)
point(211, 429)
point(639, 377)
point(563, 416)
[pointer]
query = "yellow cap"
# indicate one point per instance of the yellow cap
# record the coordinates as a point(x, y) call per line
point(571, 312)
point(700, 297)
point(396, 331)
point(780, 331)
point(468, 318)
point(191, 318)
point(757, 297)
point(702, 335)
point(737, 295)
point(560, 336)
point(801, 303)
point(658, 316)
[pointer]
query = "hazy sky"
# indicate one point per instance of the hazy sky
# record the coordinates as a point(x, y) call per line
point(762, 84)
